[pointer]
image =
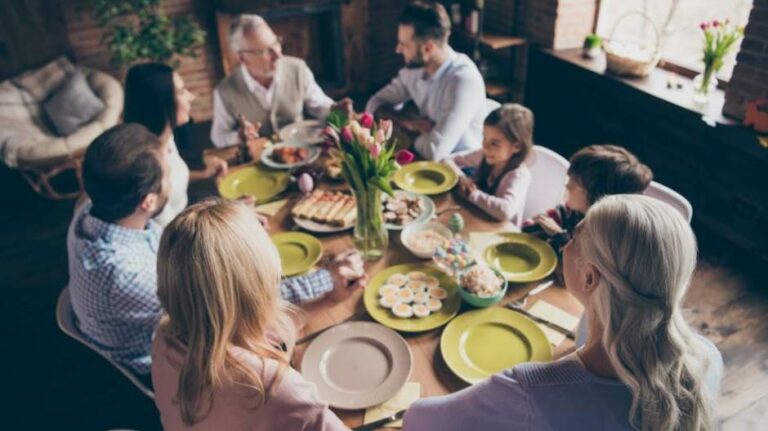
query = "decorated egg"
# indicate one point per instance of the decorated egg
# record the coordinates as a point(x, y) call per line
point(456, 223)
point(306, 183)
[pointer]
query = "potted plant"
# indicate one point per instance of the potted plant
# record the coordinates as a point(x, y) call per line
point(368, 161)
point(592, 45)
point(139, 30)
point(719, 38)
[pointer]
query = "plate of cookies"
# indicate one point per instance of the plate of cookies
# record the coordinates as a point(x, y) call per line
point(325, 211)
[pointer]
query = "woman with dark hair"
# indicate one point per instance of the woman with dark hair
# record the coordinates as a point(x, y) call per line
point(155, 97)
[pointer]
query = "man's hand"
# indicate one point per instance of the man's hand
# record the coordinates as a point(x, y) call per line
point(418, 124)
point(548, 224)
point(348, 274)
point(251, 130)
point(344, 105)
point(214, 166)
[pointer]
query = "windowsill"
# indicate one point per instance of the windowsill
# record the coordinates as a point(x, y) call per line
point(654, 85)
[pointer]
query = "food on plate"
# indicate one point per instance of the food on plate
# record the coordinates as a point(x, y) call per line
point(482, 281)
point(327, 207)
point(402, 209)
point(420, 310)
point(389, 301)
point(388, 289)
point(289, 155)
point(332, 163)
point(438, 293)
point(426, 241)
point(453, 256)
point(402, 310)
point(397, 279)
point(409, 295)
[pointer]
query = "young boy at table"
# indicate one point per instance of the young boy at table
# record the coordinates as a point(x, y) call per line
point(595, 171)
point(500, 180)
point(217, 360)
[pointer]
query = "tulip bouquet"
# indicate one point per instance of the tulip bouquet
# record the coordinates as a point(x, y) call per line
point(719, 38)
point(367, 163)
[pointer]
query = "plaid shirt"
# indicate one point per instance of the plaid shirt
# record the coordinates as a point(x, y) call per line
point(113, 286)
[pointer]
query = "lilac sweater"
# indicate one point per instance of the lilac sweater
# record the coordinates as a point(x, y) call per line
point(508, 202)
point(560, 395)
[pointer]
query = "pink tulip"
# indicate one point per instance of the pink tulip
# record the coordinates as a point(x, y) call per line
point(331, 136)
point(346, 135)
point(703, 26)
point(715, 23)
point(376, 150)
point(366, 120)
point(404, 157)
point(379, 136)
point(386, 126)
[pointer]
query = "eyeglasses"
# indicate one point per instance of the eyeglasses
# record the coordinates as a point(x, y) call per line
point(275, 48)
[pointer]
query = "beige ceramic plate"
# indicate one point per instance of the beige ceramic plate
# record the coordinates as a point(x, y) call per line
point(357, 365)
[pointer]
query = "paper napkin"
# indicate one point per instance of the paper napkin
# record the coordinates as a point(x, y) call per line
point(271, 208)
point(402, 400)
point(547, 311)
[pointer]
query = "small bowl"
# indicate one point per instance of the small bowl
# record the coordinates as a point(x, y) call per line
point(481, 301)
point(412, 229)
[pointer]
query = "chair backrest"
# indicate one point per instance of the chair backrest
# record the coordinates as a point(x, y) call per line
point(665, 194)
point(548, 174)
point(65, 317)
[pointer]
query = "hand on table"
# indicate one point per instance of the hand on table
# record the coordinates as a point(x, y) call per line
point(214, 167)
point(348, 274)
point(548, 224)
point(466, 185)
point(250, 130)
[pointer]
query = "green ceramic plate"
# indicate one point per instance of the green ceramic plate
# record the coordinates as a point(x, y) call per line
point(414, 324)
point(263, 184)
point(299, 252)
point(426, 178)
point(480, 343)
point(521, 257)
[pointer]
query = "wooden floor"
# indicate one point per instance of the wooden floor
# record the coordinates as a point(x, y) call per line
point(53, 382)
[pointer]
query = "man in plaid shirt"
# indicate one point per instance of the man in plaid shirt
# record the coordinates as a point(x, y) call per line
point(112, 246)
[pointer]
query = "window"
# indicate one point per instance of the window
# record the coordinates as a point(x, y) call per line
point(682, 38)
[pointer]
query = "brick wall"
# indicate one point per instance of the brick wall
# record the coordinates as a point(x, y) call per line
point(750, 76)
point(200, 74)
point(557, 24)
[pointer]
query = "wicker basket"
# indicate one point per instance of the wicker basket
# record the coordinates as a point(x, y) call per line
point(620, 64)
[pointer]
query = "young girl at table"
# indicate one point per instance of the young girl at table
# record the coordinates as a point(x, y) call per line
point(642, 368)
point(217, 356)
point(499, 183)
point(595, 171)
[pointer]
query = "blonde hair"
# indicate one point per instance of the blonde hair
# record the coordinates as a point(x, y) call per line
point(218, 277)
point(646, 254)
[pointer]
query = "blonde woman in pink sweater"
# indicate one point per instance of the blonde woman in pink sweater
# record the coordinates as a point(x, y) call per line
point(499, 184)
point(220, 357)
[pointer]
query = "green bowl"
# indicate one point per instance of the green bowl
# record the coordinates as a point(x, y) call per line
point(479, 301)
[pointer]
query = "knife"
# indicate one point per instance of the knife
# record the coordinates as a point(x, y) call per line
point(569, 334)
point(381, 422)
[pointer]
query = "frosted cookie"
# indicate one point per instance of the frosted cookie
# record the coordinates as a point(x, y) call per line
point(431, 281)
point(416, 286)
point(416, 275)
point(421, 298)
point(389, 301)
point(397, 279)
point(421, 310)
point(402, 310)
point(434, 304)
point(388, 289)
point(438, 293)
point(405, 294)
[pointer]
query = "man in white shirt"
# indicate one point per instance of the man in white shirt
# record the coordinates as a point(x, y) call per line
point(445, 86)
point(269, 89)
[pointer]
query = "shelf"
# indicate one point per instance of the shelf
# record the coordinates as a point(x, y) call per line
point(495, 41)
point(496, 90)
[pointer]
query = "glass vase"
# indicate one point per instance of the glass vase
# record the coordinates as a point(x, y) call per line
point(370, 236)
point(704, 84)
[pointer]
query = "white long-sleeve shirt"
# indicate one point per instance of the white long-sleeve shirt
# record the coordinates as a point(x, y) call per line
point(453, 98)
point(224, 127)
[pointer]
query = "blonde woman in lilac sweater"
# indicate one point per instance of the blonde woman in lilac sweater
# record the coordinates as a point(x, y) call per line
point(500, 181)
point(629, 263)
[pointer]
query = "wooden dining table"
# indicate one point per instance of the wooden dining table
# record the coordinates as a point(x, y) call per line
point(429, 369)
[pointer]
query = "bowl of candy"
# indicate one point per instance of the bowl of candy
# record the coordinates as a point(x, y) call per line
point(453, 256)
point(481, 285)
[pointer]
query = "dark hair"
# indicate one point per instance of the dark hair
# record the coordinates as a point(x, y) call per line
point(121, 167)
point(150, 97)
point(608, 170)
point(428, 19)
point(516, 122)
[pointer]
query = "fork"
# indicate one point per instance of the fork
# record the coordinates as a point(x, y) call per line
point(520, 302)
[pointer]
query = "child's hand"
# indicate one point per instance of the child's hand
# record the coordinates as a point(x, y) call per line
point(466, 185)
point(548, 224)
point(215, 167)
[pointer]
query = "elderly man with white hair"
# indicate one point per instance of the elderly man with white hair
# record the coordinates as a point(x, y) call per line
point(269, 89)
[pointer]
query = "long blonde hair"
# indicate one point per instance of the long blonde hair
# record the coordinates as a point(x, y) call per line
point(218, 277)
point(646, 255)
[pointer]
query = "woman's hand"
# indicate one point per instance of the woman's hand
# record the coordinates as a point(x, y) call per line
point(214, 166)
point(348, 274)
point(548, 224)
